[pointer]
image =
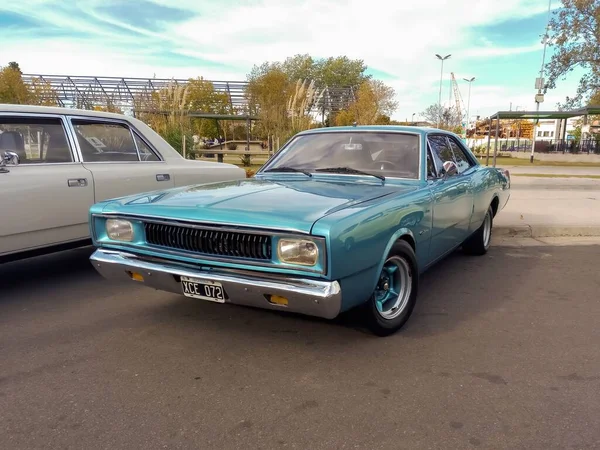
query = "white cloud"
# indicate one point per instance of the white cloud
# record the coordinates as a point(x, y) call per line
point(400, 38)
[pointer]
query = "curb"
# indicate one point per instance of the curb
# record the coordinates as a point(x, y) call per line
point(545, 231)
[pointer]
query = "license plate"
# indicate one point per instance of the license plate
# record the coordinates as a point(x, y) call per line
point(204, 290)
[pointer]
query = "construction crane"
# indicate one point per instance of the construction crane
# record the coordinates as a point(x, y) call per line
point(460, 105)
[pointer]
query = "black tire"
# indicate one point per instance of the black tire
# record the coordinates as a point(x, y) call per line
point(403, 256)
point(479, 242)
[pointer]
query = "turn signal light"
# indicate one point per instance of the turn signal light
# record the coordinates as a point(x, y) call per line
point(136, 276)
point(278, 300)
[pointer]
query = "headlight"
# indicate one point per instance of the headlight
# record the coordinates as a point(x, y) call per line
point(298, 251)
point(119, 230)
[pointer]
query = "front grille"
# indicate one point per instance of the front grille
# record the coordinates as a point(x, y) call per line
point(209, 242)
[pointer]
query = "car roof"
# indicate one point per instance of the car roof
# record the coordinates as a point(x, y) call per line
point(4, 107)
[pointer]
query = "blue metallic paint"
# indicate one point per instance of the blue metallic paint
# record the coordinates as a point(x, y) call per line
point(359, 217)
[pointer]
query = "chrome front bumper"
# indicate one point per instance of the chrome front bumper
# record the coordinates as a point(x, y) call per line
point(305, 296)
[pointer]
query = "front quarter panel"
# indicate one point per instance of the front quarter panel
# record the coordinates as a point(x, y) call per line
point(360, 238)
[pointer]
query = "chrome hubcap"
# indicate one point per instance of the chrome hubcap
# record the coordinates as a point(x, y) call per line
point(487, 230)
point(394, 288)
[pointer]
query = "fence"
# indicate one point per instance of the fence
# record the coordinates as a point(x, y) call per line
point(589, 146)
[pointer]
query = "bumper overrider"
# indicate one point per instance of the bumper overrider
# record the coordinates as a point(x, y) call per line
point(299, 295)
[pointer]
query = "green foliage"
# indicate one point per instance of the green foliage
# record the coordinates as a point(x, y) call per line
point(246, 160)
point(231, 146)
point(12, 88)
point(174, 136)
point(575, 35)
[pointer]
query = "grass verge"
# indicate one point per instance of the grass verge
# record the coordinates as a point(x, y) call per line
point(503, 161)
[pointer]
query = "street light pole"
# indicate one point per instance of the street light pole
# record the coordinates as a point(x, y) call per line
point(540, 84)
point(441, 79)
point(412, 119)
point(468, 103)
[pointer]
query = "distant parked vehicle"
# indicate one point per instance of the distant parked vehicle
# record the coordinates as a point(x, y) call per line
point(55, 163)
point(339, 218)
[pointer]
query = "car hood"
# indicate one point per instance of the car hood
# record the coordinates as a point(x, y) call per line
point(285, 205)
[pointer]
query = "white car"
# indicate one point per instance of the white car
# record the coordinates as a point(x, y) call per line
point(56, 162)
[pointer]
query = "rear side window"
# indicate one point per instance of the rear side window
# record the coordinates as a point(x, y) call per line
point(35, 140)
point(105, 141)
point(440, 149)
point(462, 160)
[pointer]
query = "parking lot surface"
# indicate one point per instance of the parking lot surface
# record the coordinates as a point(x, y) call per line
point(501, 353)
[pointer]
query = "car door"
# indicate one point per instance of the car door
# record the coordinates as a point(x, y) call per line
point(452, 196)
point(45, 198)
point(121, 161)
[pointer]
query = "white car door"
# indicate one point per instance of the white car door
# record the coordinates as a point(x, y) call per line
point(121, 161)
point(45, 198)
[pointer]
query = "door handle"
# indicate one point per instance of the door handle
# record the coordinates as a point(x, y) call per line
point(163, 177)
point(77, 182)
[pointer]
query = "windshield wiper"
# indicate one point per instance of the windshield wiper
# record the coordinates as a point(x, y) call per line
point(349, 170)
point(289, 169)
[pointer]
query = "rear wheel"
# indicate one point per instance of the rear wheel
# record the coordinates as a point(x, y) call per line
point(479, 242)
point(395, 295)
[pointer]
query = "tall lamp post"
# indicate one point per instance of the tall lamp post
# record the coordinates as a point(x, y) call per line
point(441, 58)
point(539, 83)
point(468, 80)
point(412, 119)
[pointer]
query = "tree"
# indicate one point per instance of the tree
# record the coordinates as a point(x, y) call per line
point(340, 71)
point(374, 101)
point(574, 31)
point(12, 88)
point(42, 93)
point(442, 117)
point(202, 97)
point(268, 92)
point(299, 67)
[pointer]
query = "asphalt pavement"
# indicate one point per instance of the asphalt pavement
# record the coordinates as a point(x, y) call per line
point(501, 353)
point(551, 207)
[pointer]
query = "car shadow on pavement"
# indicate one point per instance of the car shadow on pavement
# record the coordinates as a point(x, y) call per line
point(456, 290)
point(43, 274)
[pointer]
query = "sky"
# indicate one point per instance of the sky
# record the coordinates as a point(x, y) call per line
point(497, 42)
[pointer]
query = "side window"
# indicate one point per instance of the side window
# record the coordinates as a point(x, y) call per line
point(105, 141)
point(441, 150)
point(146, 153)
point(35, 140)
point(462, 161)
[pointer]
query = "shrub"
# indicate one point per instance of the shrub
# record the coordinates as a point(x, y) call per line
point(231, 146)
point(246, 160)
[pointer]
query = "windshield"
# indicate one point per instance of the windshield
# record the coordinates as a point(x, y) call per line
point(385, 154)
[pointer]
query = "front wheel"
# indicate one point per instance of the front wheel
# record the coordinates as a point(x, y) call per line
point(395, 295)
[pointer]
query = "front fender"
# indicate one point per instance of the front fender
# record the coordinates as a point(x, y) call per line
point(402, 232)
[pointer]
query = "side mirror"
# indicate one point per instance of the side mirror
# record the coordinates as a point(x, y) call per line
point(450, 169)
point(10, 159)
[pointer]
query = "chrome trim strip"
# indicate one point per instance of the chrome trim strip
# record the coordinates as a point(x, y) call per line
point(305, 296)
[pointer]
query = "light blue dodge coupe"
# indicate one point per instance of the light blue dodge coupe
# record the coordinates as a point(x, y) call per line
point(339, 218)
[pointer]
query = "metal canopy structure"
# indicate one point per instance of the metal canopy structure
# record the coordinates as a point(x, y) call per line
point(89, 91)
point(589, 110)
point(535, 115)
